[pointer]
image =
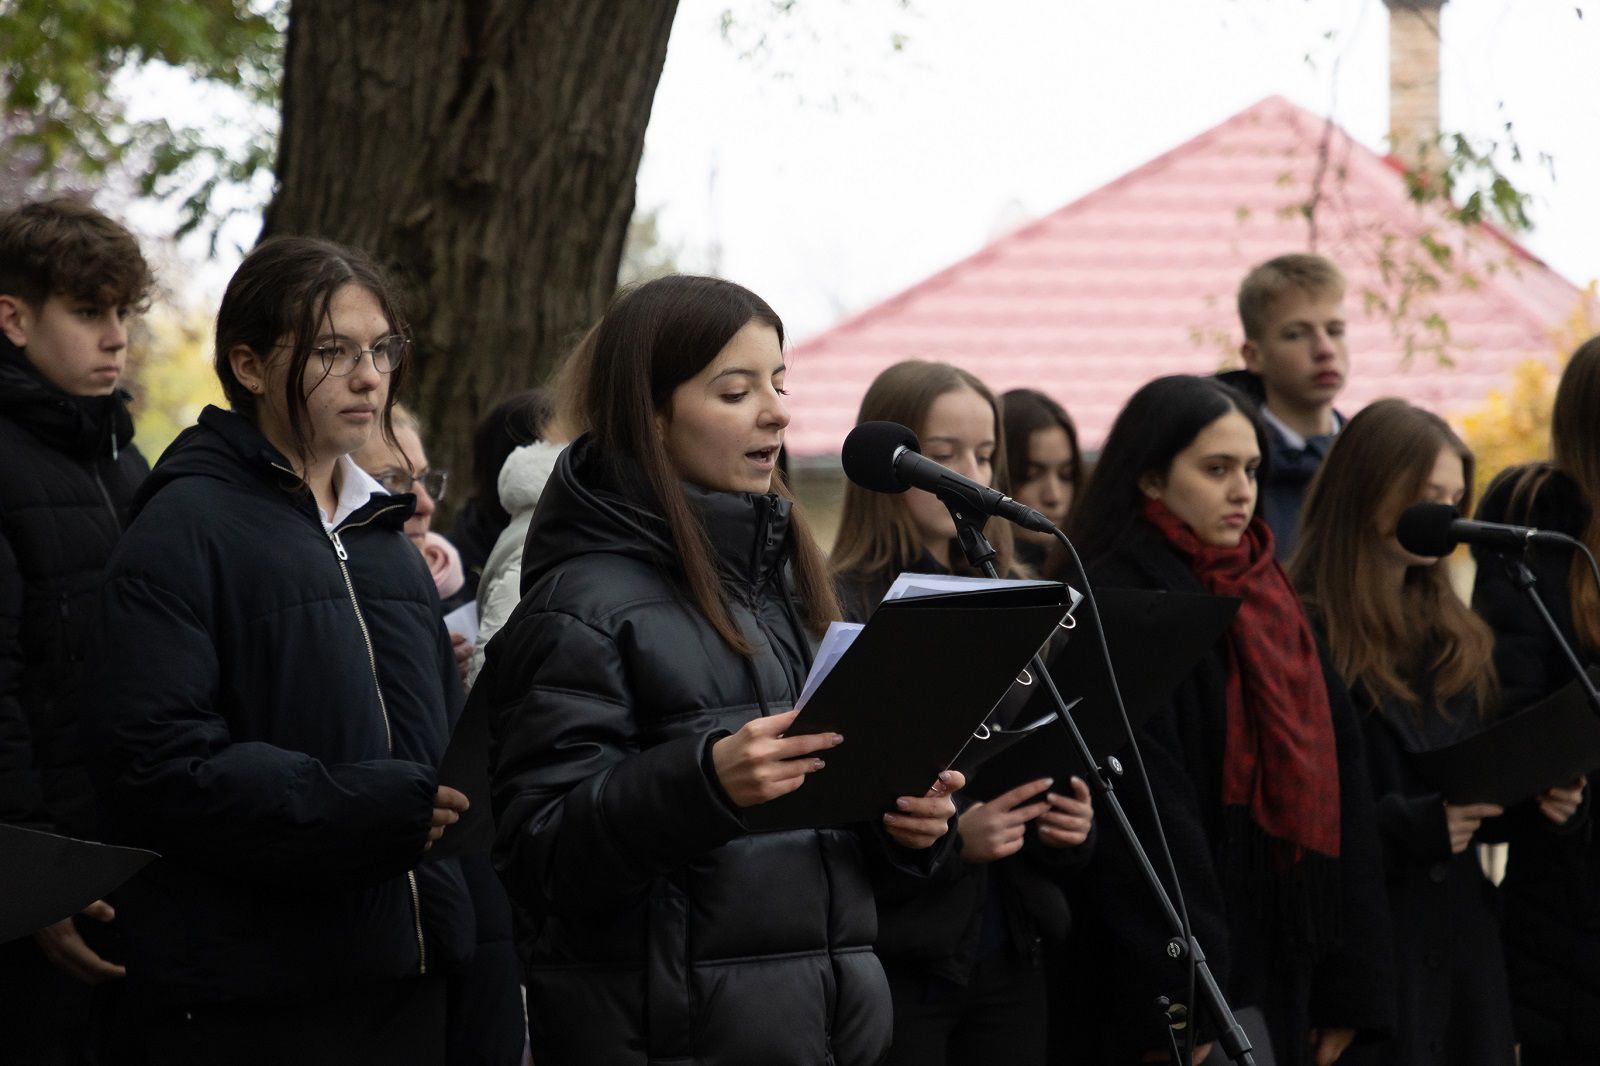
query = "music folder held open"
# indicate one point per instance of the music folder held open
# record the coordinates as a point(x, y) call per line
point(49, 877)
point(1547, 745)
point(1155, 640)
point(909, 692)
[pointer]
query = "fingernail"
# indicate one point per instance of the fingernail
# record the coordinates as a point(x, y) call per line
point(947, 776)
point(838, 738)
point(891, 819)
point(817, 764)
point(1076, 780)
point(903, 803)
point(1049, 781)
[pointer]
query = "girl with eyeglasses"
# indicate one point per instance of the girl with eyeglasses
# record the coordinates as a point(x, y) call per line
point(638, 697)
point(267, 699)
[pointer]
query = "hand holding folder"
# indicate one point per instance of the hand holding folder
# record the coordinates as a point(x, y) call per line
point(1549, 744)
point(908, 693)
point(49, 877)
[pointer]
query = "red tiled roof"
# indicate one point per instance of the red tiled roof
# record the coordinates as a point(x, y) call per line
point(1137, 279)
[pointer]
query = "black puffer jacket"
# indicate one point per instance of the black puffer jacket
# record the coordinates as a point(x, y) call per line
point(655, 928)
point(68, 469)
point(1552, 882)
point(268, 715)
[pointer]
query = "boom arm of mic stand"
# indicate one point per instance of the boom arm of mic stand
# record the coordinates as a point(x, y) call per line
point(1231, 1035)
point(1524, 579)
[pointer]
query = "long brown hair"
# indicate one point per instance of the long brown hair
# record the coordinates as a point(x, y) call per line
point(1575, 452)
point(1026, 412)
point(652, 339)
point(1378, 466)
point(876, 533)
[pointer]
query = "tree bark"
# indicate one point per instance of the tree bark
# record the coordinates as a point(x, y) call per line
point(486, 152)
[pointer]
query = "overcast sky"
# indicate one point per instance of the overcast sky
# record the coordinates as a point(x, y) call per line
point(828, 170)
point(999, 111)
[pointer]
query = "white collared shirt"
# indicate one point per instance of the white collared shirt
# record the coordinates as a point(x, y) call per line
point(356, 487)
point(1294, 440)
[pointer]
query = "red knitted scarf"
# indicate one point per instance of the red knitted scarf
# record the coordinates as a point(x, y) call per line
point(1280, 760)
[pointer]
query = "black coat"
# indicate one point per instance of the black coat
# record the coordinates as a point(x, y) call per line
point(1346, 982)
point(654, 926)
point(1453, 1006)
point(265, 705)
point(935, 926)
point(1552, 882)
point(68, 470)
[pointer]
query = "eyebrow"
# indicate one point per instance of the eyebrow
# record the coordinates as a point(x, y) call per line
point(957, 440)
point(745, 371)
point(335, 335)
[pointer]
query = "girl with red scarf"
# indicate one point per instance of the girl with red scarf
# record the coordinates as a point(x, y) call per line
point(1256, 763)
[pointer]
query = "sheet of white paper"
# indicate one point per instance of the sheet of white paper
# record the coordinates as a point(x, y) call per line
point(911, 586)
point(464, 620)
point(835, 642)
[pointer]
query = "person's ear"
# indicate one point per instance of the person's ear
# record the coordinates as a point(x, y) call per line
point(248, 367)
point(1250, 352)
point(663, 421)
point(1151, 486)
point(16, 319)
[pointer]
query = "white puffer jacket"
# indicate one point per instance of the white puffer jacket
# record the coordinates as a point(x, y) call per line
point(522, 479)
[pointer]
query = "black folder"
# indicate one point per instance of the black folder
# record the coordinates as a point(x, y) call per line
point(465, 768)
point(1547, 745)
point(1155, 640)
point(49, 877)
point(907, 696)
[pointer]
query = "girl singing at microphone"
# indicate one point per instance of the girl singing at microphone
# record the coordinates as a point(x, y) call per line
point(638, 697)
point(1419, 668)
point(1552, 882)
point(964, 953)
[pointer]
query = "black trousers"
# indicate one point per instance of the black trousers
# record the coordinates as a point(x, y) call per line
point(44, 1013)
point(397, 1023)
point(999, 1016)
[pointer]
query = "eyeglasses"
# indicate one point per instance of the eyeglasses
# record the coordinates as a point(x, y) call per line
point(398, 481)
point(341, 357)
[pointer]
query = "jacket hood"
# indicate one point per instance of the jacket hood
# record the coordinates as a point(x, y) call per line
point(1247, 382)
point(522, 478)
point(226, 447)
point(83, 426)
point(591, 505)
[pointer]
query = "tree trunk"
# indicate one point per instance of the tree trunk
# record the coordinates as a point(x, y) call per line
point(486, 152)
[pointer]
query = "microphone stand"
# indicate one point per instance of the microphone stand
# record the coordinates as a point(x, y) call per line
point(1525, 582)
point(980, 553)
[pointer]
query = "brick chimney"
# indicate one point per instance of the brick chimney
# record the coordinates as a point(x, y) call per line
point(1413, 76)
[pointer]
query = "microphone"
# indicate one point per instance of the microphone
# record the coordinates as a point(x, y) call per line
point(887, 457)
point(1436, 528)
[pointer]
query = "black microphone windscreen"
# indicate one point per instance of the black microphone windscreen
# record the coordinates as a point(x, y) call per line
point(868, 454)
point(1424, 529)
